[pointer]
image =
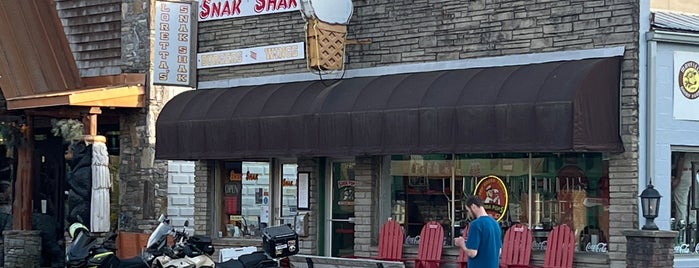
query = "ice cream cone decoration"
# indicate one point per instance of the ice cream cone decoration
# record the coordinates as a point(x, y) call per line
point(326, 32)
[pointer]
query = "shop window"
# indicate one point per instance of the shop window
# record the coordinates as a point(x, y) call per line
point(288, 193)
point(541, 191)
point(245, 198)
point(685, 201)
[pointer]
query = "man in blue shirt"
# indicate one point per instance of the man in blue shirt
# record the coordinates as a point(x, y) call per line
point(484, 237)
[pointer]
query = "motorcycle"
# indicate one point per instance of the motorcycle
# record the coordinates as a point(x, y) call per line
point(195, 251)
point(85, 251)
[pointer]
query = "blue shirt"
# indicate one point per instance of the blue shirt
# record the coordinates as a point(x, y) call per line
point(485, 236)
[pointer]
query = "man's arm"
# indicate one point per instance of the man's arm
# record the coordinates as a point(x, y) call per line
point(461, 242)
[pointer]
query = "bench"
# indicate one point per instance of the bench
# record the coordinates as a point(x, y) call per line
point(312, 261)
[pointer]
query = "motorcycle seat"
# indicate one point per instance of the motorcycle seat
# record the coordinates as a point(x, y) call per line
point(135, 262)
point(230, 264)
point(257, 259)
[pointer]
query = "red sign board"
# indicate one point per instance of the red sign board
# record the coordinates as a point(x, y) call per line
point(226, 9)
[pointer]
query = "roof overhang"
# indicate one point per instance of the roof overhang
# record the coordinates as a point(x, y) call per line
point(115, 96)
point(37, 67)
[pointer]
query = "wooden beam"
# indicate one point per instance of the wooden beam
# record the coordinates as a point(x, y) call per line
point(23, 193)
point(60, 112)
point(90, 121)
point(111, 80)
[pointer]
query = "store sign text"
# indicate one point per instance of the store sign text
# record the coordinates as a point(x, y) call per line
point(225, 9)
point(253, 55)
point(173, 47)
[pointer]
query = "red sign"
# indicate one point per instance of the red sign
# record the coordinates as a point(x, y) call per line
point(493, 192)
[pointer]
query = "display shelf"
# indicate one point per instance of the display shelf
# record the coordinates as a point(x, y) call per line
point(428, 199)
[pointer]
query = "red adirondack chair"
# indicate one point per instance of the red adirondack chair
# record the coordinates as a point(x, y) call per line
point(429, 252)
point(462, 261)
point(560, 247)
point(391, 242)
point(517, 247)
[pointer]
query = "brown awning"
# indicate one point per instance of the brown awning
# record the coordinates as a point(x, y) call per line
point(566, 106)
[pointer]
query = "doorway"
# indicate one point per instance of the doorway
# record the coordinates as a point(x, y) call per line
point(340, 211)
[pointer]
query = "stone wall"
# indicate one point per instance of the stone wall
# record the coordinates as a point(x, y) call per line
point(203, 218)
point(310, 244)
point(180, 192)
point(366, 174)
point(22, 248)
point(650, 249)
point(135, 41)
point(405, 31)
point(144, 181)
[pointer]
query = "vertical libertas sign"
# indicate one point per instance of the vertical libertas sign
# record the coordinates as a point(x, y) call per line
point(175, 39)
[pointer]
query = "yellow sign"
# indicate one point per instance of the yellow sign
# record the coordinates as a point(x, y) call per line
point(493, 192)
point(689, 79)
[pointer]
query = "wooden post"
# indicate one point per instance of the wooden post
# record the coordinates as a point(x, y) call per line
point(90, 121)
point(22, 205)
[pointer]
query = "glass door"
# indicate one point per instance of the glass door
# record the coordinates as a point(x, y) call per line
point(285, 205)
point(340, 211)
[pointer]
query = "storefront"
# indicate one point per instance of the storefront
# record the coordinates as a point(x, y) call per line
point(388, 142)
point(674, 53)
point(544, 96)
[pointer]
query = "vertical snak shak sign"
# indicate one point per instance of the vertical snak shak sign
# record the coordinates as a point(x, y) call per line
point(175, 39)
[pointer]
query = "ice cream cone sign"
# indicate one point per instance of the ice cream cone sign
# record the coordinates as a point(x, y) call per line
point(326, 32)
point(493, 192)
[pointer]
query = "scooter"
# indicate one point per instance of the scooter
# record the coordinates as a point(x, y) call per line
point(85, 251)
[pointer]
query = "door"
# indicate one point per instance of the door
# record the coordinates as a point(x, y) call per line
point(285, 203)
point(340, 222)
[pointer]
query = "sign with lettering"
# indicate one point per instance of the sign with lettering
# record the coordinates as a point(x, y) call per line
point(252, 55)
point(226, 9)
point(174, 43)
point(493, 192)
point(686, 86)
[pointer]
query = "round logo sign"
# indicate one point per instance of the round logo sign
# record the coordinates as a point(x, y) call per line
point(493, 192)
point(689, 80)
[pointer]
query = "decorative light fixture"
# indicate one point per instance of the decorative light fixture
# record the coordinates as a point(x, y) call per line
point(650, 202)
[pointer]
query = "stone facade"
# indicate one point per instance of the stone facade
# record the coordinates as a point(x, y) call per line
point(366, 205)
point(430, 31)
point(180, 192)
point(652, 249)
point(135, 35)
point(22, 248)
point(310, 243)
point(203, 218)
point(144, 180)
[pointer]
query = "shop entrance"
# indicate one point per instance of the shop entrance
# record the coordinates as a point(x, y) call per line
point(340, 211)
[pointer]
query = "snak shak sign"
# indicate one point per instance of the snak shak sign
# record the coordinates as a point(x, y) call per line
point(226, 9)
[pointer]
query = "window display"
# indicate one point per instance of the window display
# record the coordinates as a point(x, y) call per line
point(244, 191)
point(540, 191)
point(685, 201)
